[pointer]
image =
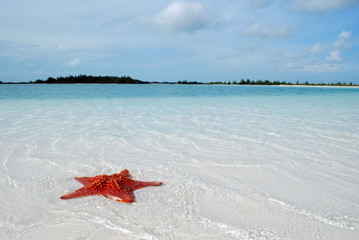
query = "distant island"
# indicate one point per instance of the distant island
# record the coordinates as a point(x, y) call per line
point(91, 79)
point(297, 83)
point(85, 79)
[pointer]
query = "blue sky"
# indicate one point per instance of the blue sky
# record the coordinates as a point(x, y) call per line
point(160, 40)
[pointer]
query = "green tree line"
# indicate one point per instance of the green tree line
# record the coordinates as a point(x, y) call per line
point(90, 79)
point(267, 82)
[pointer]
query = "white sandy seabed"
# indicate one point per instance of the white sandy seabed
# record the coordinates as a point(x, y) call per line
point(232, 168)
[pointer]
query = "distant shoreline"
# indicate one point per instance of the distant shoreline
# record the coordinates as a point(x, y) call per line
point(314, 85)
point(85, 79)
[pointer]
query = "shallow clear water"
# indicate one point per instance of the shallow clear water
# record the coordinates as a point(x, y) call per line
point(237, 162)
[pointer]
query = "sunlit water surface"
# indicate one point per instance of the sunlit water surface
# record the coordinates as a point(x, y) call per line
point(237, 162)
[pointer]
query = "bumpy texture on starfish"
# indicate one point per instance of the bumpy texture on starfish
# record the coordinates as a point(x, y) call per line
point(118, 186)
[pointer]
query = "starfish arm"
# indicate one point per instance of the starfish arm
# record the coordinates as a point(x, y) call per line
point(128, 197)
point(120, 192)
point(82, 192)
point(122, 174)
point(84, 180)
point(138, 184)
point(125, 173)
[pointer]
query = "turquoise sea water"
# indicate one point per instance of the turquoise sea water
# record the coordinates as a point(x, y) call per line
point(237, 162)
point(71, 91)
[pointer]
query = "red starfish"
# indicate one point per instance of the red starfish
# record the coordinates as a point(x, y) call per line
point(118, 185)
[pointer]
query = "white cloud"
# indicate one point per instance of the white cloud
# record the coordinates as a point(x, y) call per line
point(182, 17)
point(343, 42)
point(267, 32)
point(334, 56)
point(344, 34)
point(312, 68)
point(317, 49)
point(322, 5)
point(321, 68)
point(74, 62)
